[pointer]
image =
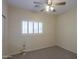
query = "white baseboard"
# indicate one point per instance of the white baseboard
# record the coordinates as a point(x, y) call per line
point(5, 57)
point(39, 48)
point(10, 55)
point(67, 49)
point(25, 51)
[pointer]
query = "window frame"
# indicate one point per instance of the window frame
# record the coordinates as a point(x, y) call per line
point(33, 22)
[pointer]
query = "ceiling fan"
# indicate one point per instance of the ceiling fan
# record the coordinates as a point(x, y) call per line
point(49, 5)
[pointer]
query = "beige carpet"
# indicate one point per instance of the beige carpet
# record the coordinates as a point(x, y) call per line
point(47, 53)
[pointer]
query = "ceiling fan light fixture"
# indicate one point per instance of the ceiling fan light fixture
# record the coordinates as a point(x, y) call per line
point(49, 1)
point(51, 8)
point(47, 8)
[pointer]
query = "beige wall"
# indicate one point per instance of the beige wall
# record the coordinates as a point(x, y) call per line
point(66, 30)
point(33, 42)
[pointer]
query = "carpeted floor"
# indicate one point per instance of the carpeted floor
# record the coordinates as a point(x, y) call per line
point(47, 53)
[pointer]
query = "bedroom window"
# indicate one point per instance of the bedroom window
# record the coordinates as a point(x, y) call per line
point(40, 27)
point(32, 27)
point(36, 27)
point(24, 27)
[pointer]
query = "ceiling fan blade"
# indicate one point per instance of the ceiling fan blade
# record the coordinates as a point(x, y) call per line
point(61, 3)
point(37, 6)
point(37, 2)
point(44, 10)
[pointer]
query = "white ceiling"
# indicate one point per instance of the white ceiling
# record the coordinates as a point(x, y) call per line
point(29, 5)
